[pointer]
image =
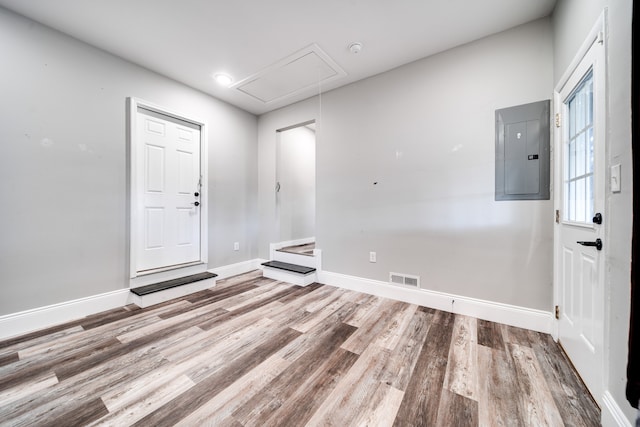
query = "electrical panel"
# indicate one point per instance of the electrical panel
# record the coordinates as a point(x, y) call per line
point(522, 152)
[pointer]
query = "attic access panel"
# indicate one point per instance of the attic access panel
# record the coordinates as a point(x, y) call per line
point(299, 72)
point(522, 152)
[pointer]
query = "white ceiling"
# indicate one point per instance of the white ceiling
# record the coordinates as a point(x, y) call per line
point(189, 40)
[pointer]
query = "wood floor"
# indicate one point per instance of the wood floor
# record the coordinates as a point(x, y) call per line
point(256, 352)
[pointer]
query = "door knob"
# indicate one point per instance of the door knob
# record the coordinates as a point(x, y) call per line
point(597, 244)
point(597, 219)
point(196, 203)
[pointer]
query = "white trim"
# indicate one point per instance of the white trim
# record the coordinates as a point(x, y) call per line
point(238, 268)
point(289, 277)
point(522, 317)
point(204, 192)
point(43, 317)
point(612, 414)
point(586, 57)
point(51, 315)
point(317, 255)
point(133, 104)
point(594, 36)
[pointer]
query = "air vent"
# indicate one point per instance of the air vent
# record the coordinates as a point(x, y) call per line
point(404, 279)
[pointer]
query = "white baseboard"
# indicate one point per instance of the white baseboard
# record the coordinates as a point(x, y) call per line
point(44, 317)
point(522, 317)
point(238, 268)
point(612, 414)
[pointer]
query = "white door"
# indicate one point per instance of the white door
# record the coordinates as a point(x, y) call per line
point(581, 241)
point(168, 191)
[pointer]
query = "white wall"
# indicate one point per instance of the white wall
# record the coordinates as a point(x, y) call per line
point(63, 167)
point(572, 21)
point(424, 133)
point(296, 173)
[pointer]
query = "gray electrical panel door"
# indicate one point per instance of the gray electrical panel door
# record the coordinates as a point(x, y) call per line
point(522, 152)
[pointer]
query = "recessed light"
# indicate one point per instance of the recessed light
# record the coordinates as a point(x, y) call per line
point(223, 79)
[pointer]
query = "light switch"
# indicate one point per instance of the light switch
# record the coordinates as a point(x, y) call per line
point(615, 178)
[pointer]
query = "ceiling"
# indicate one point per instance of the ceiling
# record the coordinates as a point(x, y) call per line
point(191, 40)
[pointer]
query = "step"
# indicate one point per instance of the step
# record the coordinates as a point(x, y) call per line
point(291, 273)
point(168, 284)
point(155, 293)
point(294, 268)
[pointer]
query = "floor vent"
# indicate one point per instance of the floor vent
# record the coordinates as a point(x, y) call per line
point(404, 279)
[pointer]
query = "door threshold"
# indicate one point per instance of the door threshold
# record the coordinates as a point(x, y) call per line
point(168, 273)
point(169, 268)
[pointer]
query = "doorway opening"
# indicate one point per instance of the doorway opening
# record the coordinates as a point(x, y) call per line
point(295, 189)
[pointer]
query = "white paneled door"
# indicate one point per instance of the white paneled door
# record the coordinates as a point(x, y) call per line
point(581, 242)
point(167, 191)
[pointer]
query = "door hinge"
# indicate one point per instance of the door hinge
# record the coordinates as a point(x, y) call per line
point(557, 216)
point(557, 120)
point(557, 312)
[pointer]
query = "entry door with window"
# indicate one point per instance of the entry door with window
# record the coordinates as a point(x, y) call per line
point(581, 243)
point(167, 211)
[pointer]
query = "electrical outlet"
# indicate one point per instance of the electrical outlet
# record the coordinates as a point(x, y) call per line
point(372, 257)
point(236, 246)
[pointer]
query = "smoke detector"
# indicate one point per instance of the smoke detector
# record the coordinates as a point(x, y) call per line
point(355, 48)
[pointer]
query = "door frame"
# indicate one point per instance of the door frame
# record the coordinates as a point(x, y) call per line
point(278, 147)
point(598, 34)
point(132, 175)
